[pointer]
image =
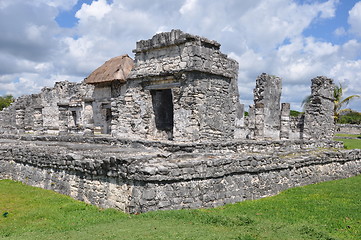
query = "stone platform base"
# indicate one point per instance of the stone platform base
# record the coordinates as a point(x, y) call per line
point(139, 176)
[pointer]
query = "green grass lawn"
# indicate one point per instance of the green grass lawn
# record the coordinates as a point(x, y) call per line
point(349, 143)
point(330, 210)
point(347, 135)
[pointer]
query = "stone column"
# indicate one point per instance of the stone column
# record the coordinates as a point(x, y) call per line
point(20, 118)
point(251, 121)
point(285, 121)
point(259, 121)
point(239, 131)
point(88, 118)
point(319, 122)
point(38, 118)
point(63, 118)
point(268, 92)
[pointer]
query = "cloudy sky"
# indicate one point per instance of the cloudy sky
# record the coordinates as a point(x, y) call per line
point(44, 41)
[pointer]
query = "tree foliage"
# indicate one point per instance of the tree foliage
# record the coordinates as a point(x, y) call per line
point(341, 103)
point(351, 117)
point(6, 101)
point(294, 113)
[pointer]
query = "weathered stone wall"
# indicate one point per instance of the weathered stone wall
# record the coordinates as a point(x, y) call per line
point(204, 108)
point(22, 115)
point(65, 108)
point(296, 127)
point(68, 97)
point(348, 128)
point(132, 113)
point(137, 176)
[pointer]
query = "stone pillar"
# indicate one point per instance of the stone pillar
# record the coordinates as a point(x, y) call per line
point(259, 121)
point(319, 122)
point(88, 118)
point(38, 118)
point(239, 131)
point(268, 92)
point(251, 121)
point(20, 118)
point(63, 118)
point(285, 121)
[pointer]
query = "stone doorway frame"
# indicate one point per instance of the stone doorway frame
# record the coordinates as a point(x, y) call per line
point(163, 109)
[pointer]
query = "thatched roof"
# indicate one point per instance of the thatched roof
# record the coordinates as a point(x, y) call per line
point(115, 69)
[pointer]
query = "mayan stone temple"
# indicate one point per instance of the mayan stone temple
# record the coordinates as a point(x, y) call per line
point(167, 131)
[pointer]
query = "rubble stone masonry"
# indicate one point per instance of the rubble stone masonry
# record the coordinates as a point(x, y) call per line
point(171, 133)
point(140, 176)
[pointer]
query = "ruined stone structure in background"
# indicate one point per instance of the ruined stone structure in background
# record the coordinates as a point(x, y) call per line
point(179, 87)
point(264, 120)
point(267, 95)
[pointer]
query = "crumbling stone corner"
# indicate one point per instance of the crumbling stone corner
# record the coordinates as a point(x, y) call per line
point(319, 122)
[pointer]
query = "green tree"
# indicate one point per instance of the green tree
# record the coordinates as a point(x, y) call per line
point(294, 113)
point(341, 103)
point(6, 101)
point(351, 117)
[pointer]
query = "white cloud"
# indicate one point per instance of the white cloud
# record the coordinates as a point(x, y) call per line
point(270, 23)
point(34, 32)
point(61, 4)
point(340, 31)
point(97, 9)
point(320, 49)
point(328, 9)
point(351, 50)
point(262, 35)
point(188, 6)
point(355, 19)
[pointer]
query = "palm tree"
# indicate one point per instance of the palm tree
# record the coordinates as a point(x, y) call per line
point(340, 103)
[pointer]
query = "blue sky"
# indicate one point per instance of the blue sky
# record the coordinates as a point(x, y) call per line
point(44, 41)
point(66, 18)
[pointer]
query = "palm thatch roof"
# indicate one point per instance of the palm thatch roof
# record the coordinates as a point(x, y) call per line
point(115, 69)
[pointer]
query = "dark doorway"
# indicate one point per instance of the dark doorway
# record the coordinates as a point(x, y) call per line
point(162, 101)
point(108, 119)
point(75, 119)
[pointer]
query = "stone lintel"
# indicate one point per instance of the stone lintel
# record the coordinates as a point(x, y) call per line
point(63, 104)
point(73, 108)
point(106, 105)
point(88, 100)
point(38, 107)
point(21, 107)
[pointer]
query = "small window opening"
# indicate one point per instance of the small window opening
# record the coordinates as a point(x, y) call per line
point(73, 114)
point(108, 119)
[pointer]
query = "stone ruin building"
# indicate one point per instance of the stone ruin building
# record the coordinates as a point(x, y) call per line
point(179, 87)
